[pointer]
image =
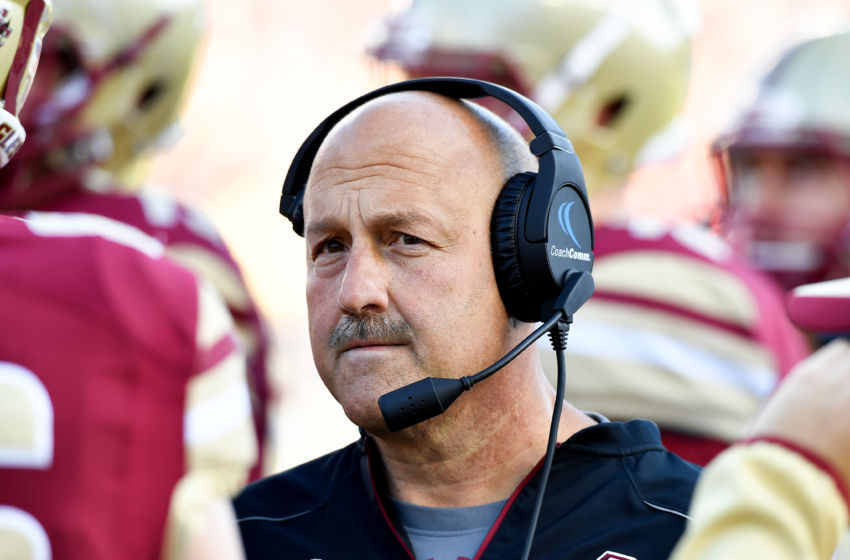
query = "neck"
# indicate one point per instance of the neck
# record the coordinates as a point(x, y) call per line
point(482, 448)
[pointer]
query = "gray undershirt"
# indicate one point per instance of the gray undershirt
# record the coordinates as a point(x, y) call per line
point(451, 533)
point(447, 533)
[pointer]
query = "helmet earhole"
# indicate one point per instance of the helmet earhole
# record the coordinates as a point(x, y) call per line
point(612, 110)
point(150, 94)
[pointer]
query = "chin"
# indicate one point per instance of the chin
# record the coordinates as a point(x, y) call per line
point(366, 415)
point(359, 400)
point(358, 388)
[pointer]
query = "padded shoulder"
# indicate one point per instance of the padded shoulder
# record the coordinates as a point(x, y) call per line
point(663, 480)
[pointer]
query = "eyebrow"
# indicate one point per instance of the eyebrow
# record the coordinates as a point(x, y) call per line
point(385, 219)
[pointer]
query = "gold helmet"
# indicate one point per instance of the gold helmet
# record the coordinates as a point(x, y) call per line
point(113, 80)
point(139, 54)
point(23, 24)
point(801, 102)
point(613, 73)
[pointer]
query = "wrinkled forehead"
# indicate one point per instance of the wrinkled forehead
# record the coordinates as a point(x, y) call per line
point(423, 139)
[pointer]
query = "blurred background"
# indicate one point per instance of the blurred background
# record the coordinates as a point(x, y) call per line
point(273, 69)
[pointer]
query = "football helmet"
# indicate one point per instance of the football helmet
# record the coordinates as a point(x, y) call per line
point(112, 81)
point(785, 166)
point(23, 24)
point(613, 73)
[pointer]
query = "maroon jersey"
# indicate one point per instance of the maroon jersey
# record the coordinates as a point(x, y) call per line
point(193, 241)
point(100, 341)
point(680, 331)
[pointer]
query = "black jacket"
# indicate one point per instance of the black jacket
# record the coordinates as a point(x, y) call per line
point(613, 488)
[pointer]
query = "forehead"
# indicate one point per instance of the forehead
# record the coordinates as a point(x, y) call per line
point(387, 189)
point(416, 152)
point(781, 153)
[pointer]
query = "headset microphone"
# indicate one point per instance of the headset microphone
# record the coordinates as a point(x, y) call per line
point(431, 396)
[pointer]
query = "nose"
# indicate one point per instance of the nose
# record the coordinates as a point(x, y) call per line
point(364, 283)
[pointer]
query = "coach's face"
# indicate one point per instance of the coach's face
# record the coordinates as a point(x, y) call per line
point(400, 282)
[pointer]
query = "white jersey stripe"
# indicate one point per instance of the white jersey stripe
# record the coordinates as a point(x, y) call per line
point(634, 344)
point(73, 224)
point(217, 416)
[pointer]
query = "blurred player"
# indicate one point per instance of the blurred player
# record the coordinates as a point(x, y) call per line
point(110, 357)
point(112, 82)
point(125, 420)
point(678, 331)
point(785, 167)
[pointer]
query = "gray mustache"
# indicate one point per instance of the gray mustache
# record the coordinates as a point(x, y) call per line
point(369, 326)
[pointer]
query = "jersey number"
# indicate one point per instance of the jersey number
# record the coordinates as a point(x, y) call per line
point(26, 442)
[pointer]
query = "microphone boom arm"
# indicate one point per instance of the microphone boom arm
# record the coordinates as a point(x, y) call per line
point(429, 397)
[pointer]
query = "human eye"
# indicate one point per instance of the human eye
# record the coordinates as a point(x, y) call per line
point(328, 248)
point(333, 246)
point(408, 244)
point(809, 167)
point(407, 239)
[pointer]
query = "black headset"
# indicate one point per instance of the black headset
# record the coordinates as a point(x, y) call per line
point(541, 228)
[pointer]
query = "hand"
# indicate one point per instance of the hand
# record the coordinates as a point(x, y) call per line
point(810, 408)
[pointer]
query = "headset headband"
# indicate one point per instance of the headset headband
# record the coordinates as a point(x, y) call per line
point(548, 139)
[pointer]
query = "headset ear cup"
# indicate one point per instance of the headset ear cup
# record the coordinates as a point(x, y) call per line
point(504, 242)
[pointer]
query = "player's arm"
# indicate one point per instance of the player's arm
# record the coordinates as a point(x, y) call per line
point(218, 537)
point(218, 434)
point(783, 495)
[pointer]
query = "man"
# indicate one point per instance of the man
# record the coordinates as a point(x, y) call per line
point(401, 286)
point(112, 83)
point(785, 172)
point(700, 338)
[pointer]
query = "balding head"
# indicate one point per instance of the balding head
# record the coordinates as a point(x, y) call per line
point(450, 136)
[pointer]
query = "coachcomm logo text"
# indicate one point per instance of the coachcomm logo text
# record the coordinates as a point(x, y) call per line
point(570, 253)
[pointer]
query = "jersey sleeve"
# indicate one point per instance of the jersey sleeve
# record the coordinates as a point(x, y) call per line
point(194, 241)
point(763, 500)
point(219, 437)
